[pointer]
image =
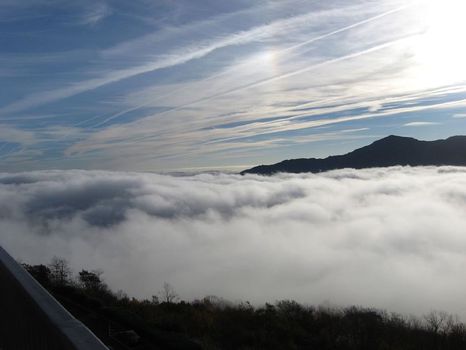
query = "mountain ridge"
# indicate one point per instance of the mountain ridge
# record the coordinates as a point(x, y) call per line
point(389, 151)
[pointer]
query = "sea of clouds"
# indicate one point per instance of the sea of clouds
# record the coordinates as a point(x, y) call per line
point(391, 238)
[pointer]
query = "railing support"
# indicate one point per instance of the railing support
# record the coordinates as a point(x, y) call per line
point(32, 319)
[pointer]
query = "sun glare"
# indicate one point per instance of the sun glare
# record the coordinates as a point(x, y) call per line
point(267, 58)
point(441, 51)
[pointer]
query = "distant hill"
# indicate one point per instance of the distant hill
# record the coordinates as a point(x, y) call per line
point(389, 151)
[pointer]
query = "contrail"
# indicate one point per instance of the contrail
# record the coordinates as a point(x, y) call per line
point(293, 73)
point(279, 52)
point(346, 28)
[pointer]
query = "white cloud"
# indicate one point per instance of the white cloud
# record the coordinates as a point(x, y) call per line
point(15, 135)
point(459, 115)
point(203, 46)
point(258, 72)
point(96, 13)
point(195, 50)
point(390, 238)
point(420, 124)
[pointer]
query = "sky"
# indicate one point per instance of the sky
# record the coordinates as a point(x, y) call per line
point(112, 113)
point(389, 238)
point(192, 85)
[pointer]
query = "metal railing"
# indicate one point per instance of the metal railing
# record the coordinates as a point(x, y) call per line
point(32, 319)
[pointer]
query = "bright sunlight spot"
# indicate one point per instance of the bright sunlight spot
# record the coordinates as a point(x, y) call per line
point(441, 51)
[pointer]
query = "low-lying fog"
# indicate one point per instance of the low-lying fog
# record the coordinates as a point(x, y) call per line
point(390, 238)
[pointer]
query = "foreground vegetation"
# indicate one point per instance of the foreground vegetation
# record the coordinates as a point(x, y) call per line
point(165, 322)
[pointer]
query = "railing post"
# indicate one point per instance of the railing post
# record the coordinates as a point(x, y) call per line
point(32, 319)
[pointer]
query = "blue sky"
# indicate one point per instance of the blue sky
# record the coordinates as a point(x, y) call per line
point(170, 85)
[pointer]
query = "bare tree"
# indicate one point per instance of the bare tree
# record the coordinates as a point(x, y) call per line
point(155, 300)
point(437, 321)
point(168, 293)
point(60, 270)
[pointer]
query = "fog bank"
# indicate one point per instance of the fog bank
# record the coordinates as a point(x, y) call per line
point(390, 238)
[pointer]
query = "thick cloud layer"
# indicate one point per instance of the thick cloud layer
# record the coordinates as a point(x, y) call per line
point(391, 238)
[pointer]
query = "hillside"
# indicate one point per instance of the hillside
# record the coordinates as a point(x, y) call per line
point(389, 151)
point(165, 322)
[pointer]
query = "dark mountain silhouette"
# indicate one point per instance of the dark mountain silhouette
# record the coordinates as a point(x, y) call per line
point(389, 151)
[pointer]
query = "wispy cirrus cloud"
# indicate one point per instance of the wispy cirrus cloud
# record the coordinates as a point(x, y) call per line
point(236, 77)
point(179, 55)
point(96, 13)
point(11, 134)
point(415, 124)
